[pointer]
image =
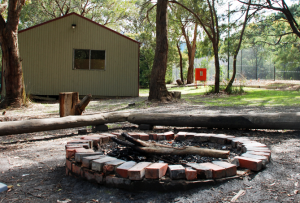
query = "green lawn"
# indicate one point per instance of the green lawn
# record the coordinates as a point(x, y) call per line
point(252, 97)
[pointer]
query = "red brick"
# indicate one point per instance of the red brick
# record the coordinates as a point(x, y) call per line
point(153, 136)
point(80, 155)
point(190, 136)
point(69, 164)
point(252, 156)
point(110, 167)
point(70, 153)
point(190, 174)
point(144, 136)
point(95, 140)
point(102, 138)
point(253, 144)
point(259, 149)
point(176, 172)
point(76, 170)
point(169, 135)
point(258, 145)
point(134, 135)
point(97, 164)
point(160, 136)
point(72, 146)
point(137, 172)
point(156, 170)
point(79, 141)
point(202, 171)
point(202, 137)
point(99, 178)
point(230, 169)
point(87, 161)
point(229, 138)
point(217, 171)
point(180, 136)
point(266, 154)
point(109, 135)
point(218, 138)
point(122, 170)
point(236, 141)
point(90, 176)
point(252, 164)
point(67, 171)
point(114, 181)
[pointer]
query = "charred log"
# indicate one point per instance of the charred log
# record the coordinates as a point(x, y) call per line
point(155, 148)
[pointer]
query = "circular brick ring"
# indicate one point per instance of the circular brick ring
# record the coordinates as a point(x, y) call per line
point(82, 161)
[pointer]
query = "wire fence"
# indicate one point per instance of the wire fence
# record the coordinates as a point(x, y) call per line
point(252, 64)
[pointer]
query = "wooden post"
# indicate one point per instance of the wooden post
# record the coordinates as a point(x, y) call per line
point(67, 103)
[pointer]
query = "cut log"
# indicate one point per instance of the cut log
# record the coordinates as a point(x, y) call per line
point(36, 125)
point(249, 121)
point(67, 103)
point(79, 108)
point(154, 148)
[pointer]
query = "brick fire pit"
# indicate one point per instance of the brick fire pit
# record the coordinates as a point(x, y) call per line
point(83, 160)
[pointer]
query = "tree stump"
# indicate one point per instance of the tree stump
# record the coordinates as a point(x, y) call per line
point(176, 94)
point(67, 103)
point(179, 82)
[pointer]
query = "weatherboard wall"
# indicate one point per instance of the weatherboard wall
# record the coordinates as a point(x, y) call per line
point(47, 59)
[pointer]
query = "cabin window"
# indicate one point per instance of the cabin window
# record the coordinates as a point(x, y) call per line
point(89, 59)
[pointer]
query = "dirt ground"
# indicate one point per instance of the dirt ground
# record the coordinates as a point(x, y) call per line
point(34, 164)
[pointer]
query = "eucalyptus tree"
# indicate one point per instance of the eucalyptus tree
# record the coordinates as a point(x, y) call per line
point(13, 74)
point(206, 15)
point(278, 6)
point(189, 30)
point(105, 12)
point(237, 47)
point(158, 89)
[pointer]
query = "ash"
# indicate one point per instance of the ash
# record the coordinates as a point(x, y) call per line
point(127, 154)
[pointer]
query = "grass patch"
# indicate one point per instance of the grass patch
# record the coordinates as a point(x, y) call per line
point(251, 97)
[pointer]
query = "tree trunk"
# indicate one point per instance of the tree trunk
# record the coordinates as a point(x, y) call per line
point(217, 69)
point(180, 62)
point(155, 148)
point(238, 49)
point(13, 74)
point(229, 85)
point(249, 121)
point(158, 89)
point(191, 53)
